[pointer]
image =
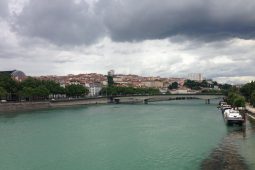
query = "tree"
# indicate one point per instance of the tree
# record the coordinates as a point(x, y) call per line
point(247, 90)
point(236, 99)
point(174, 85)
point(204, 83)
point(27, 92)
point(192, 84)
point(53, 87)
point(41, 92)
point(10, 85)
point(239, 101)
point(231, 97)
point(31, 82)
point(2, 92)
point(110, 80)
point(225, 86)
point(253, 98)
point(76, 90)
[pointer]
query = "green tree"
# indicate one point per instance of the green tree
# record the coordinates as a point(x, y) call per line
point(3, 92)
point(236, 99)
point(31, 82)
point(53, 87)
point(27, 92)
point(10, 85)
point(110, 80)
point(239, 101)
point(174, 85)
point(76, 90)
point(204, 83)
point(41, 92)
point(253, 98)
point(231, 97)
point(247, 90)
point(192, 84)
point(225, 86)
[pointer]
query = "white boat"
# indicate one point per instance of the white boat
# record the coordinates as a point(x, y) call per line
point(222, 103)
point(225, 107)
point(232, 116)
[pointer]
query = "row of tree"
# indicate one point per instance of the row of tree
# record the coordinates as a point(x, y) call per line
point(196, 85)
point(174, 85)
point(248, 91)
point(204, 85)
point(35, 89)
point(236, 99)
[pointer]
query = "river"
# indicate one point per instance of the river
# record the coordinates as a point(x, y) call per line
point(185, 134)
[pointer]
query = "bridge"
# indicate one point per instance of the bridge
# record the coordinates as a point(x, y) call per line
point(154, 98)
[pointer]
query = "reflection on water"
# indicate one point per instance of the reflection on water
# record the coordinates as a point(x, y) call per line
point(226, 156)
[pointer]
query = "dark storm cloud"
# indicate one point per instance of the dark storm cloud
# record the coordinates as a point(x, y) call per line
point(205, 19)
point(69, 22)
point(59, 21)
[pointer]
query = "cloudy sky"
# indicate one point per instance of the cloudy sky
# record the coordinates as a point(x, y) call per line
point(160, 38)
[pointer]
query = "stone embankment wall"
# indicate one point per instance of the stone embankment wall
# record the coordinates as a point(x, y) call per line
point(13, 107)
point(23, 106)
point(78, 102)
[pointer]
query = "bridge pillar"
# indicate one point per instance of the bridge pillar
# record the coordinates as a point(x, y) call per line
point(117, 101)
point(145, 101)
point(110, 99)
point(207, 101)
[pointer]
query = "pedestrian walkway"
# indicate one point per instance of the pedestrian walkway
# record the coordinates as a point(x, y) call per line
point(251, 109)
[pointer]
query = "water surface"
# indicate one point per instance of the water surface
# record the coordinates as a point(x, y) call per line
point(163, 135)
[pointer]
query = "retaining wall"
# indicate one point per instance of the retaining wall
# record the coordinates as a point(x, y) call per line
point(23, 106)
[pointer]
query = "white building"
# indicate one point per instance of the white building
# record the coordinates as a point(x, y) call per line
point(195, 76)
point(183, 90)
point(153, 84)
point(94, 89)
point(117, 79)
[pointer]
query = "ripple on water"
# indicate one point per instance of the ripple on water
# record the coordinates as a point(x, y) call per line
point(226, 155)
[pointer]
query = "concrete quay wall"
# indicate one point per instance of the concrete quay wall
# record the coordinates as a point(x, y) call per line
point(24, 106)
point(78, 102)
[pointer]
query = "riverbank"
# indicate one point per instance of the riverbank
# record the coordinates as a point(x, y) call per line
point(24, 106)
point(251, 111)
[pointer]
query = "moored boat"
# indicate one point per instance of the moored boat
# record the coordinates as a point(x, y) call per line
point(232, 116)
point(225, 107)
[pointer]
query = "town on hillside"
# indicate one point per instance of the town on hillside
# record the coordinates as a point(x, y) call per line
point(95, 84)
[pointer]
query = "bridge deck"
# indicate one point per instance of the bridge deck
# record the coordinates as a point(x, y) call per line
point(152, 98)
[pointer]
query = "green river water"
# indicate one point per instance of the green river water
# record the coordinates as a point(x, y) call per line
point(186, 134)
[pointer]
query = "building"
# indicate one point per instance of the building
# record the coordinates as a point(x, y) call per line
point(183, 90)
point(153, 84)
point(195, 77)
point(94, 89)
point(111, 73)
point(15, 74)
point(117, 79)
